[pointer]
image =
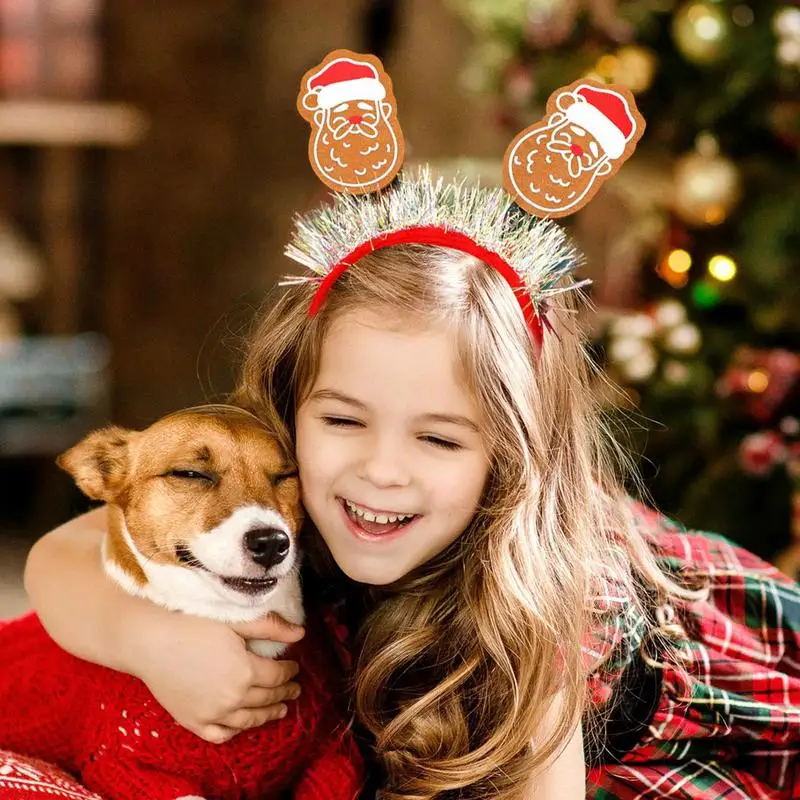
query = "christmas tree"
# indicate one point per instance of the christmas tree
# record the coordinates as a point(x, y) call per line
point(698, 236)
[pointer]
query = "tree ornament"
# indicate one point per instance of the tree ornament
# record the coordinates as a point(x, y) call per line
point(761, 452)
point(636, 67)
point(684, 339)
point(702, 33)
point(707, 185)
point(627, 348)
point(676, 373)
point(742, 15)
point(551, 26)
point(641, 366)
point(492, 16)
point(519, 85)
point(761, 381)
point(669, 313)
point(784, 120)
point(786, 25)
point(631, 66)
point(640, 326)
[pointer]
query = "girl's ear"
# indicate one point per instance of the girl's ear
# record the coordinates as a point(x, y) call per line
point(99, 463)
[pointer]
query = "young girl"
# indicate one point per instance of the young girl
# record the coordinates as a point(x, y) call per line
point(516, 617)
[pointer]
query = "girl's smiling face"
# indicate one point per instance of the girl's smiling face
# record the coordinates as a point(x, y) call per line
point(388, 427)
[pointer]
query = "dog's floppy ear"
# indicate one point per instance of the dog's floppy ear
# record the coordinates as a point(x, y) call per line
point(99, 463)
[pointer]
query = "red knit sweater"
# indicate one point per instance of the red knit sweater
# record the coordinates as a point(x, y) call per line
point(107, 729)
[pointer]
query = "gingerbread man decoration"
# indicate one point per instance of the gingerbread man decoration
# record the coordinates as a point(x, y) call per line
point(356, 144)
point(556, 166)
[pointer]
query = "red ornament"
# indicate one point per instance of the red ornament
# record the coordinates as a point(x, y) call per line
point(760, 452)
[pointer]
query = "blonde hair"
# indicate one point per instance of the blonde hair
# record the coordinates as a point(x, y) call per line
point(460, 661)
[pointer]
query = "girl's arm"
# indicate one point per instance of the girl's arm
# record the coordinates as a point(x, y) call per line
point(199, 670)
point(75, 602)
point(565, 777)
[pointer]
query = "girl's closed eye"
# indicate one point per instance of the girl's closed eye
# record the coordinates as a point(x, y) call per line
point(344, 422)
point(445, 444)
point(339, 421)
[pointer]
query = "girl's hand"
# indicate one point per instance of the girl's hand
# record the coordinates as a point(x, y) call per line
point(203, 675)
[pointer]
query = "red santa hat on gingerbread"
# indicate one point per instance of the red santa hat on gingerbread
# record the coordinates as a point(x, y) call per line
point(605, 114)
point(343, 80)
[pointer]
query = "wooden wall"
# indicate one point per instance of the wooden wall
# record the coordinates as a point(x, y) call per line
point(197, 216)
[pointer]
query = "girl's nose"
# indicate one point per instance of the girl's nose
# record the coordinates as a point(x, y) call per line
point(354, 120)
point(383, 466)
point(576, 150)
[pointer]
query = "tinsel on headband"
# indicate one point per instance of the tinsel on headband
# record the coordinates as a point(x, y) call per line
point(538, 251)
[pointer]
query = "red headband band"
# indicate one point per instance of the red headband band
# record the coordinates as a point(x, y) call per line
point(433, 235)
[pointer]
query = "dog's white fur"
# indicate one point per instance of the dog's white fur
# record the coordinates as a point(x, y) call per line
point(221, 551)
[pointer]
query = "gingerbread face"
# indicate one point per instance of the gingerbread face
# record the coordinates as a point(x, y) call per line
point(356, 144)
point(556, 166)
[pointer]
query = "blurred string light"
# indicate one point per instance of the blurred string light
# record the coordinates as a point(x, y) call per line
point(758, 381)
point(679, 261)
point(723, 268)
point(705, 295)
point(674, 268)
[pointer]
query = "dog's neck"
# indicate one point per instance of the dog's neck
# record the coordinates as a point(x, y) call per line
point(180, 588)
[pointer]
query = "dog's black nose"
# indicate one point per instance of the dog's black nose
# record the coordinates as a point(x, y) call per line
point(267, 546)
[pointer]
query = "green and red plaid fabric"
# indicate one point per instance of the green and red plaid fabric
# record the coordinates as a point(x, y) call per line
point(729, 727)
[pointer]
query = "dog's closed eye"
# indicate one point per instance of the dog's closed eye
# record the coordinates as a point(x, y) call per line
point(275, 480)
point(189, 474)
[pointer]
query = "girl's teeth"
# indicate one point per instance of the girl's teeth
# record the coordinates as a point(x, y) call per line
point(379, 518)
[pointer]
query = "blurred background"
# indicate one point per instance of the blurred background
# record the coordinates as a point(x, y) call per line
point(151, 158)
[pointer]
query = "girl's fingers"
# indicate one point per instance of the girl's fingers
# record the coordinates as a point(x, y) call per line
point(216, 734)
point(272, 627)
point(261, 697)
point(271, 674)
point(246, 718)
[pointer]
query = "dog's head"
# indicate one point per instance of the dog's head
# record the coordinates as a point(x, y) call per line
point(208, 508)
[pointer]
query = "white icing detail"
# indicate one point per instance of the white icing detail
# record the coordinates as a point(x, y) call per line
point(345, 91)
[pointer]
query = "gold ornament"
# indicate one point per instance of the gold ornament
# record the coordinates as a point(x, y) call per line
point(636, 67)
point(631, 66)
point(707, 185)
point(702, 32)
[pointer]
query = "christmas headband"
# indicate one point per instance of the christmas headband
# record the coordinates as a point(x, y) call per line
point(550, 169)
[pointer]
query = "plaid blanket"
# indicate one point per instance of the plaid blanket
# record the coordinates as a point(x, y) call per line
point(730, 726)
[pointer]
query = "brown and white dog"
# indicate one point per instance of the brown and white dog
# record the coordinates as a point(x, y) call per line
point(204, 510)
